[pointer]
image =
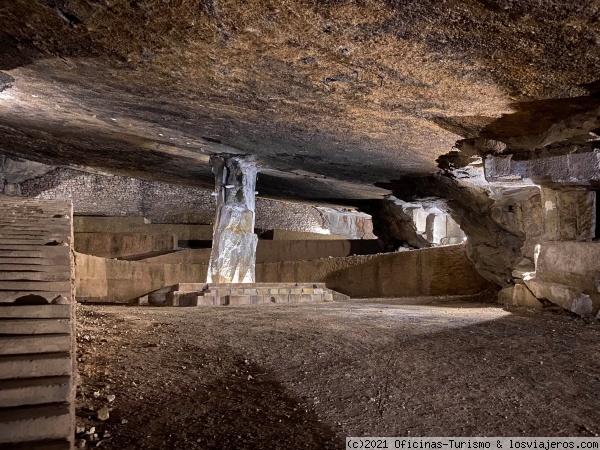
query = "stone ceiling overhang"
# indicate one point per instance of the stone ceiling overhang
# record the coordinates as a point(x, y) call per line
point(331, 97)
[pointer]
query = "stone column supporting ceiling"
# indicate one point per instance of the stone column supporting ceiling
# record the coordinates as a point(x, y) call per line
point(233, 255)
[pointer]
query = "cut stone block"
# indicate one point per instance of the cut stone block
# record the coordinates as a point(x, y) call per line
point(35, 312)
point(568, 298)
point(28, 423)
point(306, 298)
point(238, 300)
point(206, 300)
point(27, 366)
point(35, 326)
point(15, 345)
point(34, 391)
point(518, 295)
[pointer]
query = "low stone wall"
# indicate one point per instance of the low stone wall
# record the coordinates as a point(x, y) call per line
point(434, 271)
point(118, 245)
point(114, 281)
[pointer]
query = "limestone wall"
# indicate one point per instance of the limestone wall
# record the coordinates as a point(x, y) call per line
point(568, 274)
point(431, 271)
point(110, 280)
point(107, 195)
point(185, 232)
point(276, 251)
point(117, 245)
point(434, 271)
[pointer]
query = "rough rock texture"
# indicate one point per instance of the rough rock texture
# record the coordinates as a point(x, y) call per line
point(107, 195)
point(502, 225)
point(325, 93)
point(432, 271)
point(571, 169)
point(415, 224)
point(233, 255)
point(568, 274)
point(569, 214)
point(518, 295)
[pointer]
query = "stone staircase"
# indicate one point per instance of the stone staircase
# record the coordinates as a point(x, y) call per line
point(37, 343)
point(237, 294)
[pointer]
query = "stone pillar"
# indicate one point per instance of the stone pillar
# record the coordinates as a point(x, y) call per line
point(233, 255)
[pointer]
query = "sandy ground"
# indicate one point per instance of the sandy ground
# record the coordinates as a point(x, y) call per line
point(307, 375)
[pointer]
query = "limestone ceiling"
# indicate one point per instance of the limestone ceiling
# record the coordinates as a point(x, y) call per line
point(331, 97)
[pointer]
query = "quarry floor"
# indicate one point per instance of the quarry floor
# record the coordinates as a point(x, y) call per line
point(307, 375)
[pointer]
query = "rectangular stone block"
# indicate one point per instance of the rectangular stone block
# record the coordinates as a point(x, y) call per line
point(34, 391)
point(35, 312)
point(29, 366)
point(254, 299)
point(306, 298)
point(328, 297)
point(249, 291)
point(294, 298)
point(296, 291)
point(35, 326)
point(206, 300)
point(308, 290)
point(274, 291)
point(14, 345)
point(237, 300)
point(280, 298)
point(35, 423)
point(263, 291)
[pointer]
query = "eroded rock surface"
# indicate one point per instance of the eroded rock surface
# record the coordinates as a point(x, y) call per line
point(233, 255)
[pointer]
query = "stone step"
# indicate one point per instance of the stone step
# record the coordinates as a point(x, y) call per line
point(35, 312)
point(34, 391)
point(8, 297)
point(20, 345)
point(62, 260)
point(31, 423)
point(48, 286)
point(31, 268)
point(35, 326)
point(35, 241)
point(29, 247)
point(48, 251)
point(34, 276)
point(40, 365)
point(61, 444)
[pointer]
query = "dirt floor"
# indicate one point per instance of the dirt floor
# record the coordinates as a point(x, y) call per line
point(307, 375)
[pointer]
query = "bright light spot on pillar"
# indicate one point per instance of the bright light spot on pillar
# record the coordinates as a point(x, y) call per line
point(320, 230)
point(465, 239)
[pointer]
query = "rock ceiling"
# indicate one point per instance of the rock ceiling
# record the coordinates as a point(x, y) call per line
point(333, 98)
